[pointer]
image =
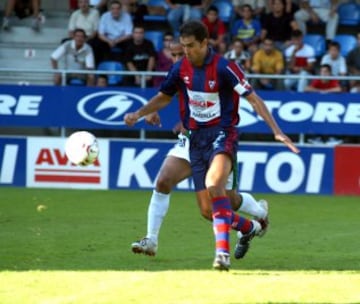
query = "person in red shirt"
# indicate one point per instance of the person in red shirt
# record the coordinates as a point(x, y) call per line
point(324, 85)
point(216, 29)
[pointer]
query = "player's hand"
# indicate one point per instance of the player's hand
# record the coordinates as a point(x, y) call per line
point(287, 141)
point(179, 128)
point(153, 119)
point(131, 118)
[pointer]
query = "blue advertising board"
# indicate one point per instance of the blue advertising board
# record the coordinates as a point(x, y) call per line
point(12, 161)
point(104, 108)
point(134, 164)
point(262, 168)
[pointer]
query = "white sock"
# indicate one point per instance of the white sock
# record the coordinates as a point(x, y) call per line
point(250, 205)
point(158, 207)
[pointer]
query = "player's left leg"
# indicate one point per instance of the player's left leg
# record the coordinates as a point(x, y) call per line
point(223, 217)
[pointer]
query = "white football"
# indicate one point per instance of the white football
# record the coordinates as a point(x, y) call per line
point(82, 148)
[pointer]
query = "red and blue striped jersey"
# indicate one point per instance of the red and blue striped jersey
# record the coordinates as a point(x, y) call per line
point(208, 95)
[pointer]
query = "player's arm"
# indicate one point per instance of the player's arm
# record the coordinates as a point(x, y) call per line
point(261, 109)
point(159, 101)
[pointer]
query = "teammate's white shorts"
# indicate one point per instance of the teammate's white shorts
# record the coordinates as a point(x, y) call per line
point(181, 150)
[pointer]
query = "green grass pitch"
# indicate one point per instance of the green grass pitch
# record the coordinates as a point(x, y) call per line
point(73, 246)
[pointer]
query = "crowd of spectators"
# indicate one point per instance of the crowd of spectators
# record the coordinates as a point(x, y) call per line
point(264, 37)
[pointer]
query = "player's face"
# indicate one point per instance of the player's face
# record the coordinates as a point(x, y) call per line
point(194, 50)
point(177, 51)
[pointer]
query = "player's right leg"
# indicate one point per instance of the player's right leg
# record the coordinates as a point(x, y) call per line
point(173, 171)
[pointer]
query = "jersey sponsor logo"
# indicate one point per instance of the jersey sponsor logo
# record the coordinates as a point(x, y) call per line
point(109, 107)
point(203, 106)
point(24, 105)
point(301, 111)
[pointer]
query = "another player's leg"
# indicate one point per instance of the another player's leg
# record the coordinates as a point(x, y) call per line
point(173, 171)
point(260, 224)
point(246, 203)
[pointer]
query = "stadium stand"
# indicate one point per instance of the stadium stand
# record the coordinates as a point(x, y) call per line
point(349, 14)
point(23, 48)
point(347, 42)
point(226, 10)
point(156, 37)
point(113, 79)
point(155, 16)
point(318, 42)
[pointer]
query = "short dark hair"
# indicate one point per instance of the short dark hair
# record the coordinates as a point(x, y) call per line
point(115, 2)
point(247, 6)
point(194, 28)
point(335, 44)
point(79, 30)
point(213, 8)
point(327, 66)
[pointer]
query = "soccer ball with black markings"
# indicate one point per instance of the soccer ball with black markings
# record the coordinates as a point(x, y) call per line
point(82, 148)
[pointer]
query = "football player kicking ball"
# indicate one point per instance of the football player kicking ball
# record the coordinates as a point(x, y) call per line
point(209, 87)
point(176, 168)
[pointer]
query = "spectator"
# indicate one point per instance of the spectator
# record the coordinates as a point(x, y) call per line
point(184, 10)
point(23, 9)
point(334, 58)
point(85, 18)
point(77, 55)
point(291, 6)
point(115, 28)
point(337, 62)
point(139, 55)
point(316, 11)
point(300, 58)
point(278, 25)
point(247, 29)
point(100, 5)
point(135, 9)
point(216, 29)
point(163, 58)
point(268, 60)
point(353, 63)
point(238, 54)
point(322, 85)
point(258, 7)
point(102, 81)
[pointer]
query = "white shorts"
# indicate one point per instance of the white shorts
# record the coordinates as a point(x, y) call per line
point(181, 150)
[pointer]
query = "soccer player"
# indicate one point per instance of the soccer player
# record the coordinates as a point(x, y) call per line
point(175, 168)
point(209, 88)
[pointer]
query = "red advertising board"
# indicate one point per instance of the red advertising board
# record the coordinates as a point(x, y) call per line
point(347, 170)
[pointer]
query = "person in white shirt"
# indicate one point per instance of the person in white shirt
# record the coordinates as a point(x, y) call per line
point(85, 18)
point(316, 11)
point(300, 59)
point(334, 58)
point(115, 28)
point(76, 55)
